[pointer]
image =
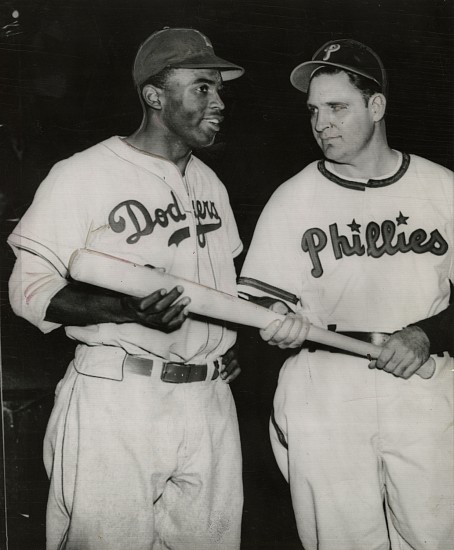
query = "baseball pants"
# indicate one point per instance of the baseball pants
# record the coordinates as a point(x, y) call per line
point(143, 464)
point(368, 456)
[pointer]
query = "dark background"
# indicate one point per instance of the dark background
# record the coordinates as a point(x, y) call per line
point(65, 84)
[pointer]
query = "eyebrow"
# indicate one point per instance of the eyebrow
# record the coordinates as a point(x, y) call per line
point(203, 80)
point(330, 103)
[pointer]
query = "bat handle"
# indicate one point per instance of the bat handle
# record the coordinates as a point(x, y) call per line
point(359, 347)
point(427, 370)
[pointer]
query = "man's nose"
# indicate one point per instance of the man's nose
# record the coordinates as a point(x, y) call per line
point(217, 101)
point(322, 120)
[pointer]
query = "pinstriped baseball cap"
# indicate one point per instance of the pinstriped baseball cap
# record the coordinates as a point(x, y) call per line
point(180, 49)
point(346, 54)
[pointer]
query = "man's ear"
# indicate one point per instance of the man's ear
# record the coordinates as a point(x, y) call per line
point(377, 105)
point(151, 96)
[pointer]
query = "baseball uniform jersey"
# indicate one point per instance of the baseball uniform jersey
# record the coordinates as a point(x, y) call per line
point(369, 256)
point(127, 203)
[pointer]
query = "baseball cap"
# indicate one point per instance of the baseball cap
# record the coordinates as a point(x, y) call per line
point(180, 49)
point(346, 54)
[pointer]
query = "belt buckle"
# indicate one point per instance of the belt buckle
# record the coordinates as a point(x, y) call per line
point(175, 373)
point(379, 338)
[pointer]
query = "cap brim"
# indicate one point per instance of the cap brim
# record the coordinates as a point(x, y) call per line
point(300, 77)
point(229, 71)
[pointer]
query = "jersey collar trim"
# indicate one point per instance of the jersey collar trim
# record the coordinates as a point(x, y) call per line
point(360, 186)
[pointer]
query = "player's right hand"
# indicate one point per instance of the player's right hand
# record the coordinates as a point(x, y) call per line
point(160, 310)
point(289, 333)
point(404, 352)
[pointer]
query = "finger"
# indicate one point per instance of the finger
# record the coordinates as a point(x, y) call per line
point(165, 300)
point(175, 321)
point(281, 336)
point(391, 365)
point(397, 365)
point(228, 356)
point(178, 309)
point(268, 332)
point(279, 307)
point(411, 369)
point(232, 375)
point(298, 332)
point(228, 367)
point(149, 300)
point(384, 357)
point(410, 366)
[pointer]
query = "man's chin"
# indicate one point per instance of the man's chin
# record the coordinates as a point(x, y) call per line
point(202, 144)
point(330, 154)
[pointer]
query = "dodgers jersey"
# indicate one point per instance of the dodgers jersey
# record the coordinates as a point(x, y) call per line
point(118, 200)
point(362, 255)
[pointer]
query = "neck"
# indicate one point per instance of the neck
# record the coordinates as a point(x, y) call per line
point(374, 161)
point(374, 165)
point(151, 139)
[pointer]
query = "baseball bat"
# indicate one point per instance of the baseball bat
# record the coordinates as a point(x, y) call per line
point(117, 274)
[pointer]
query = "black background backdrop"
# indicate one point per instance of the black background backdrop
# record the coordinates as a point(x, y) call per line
point(65, 84)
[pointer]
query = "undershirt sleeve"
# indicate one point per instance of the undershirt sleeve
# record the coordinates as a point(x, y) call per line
point(440, 330)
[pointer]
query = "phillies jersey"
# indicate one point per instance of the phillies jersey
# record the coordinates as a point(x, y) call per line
point(121, 201)
point(363, 255)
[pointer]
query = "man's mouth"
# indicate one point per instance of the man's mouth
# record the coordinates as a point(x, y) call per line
point(214, 122)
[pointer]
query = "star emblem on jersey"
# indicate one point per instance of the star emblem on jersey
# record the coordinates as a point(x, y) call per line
point(354, 226)
point(401, 219)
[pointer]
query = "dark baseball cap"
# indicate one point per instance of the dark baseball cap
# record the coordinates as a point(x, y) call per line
point(179, 49)
point(346, 54)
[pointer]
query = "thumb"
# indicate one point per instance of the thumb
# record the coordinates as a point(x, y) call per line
point(279, 307)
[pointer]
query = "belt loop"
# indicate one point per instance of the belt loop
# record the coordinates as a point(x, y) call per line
point(217, 364)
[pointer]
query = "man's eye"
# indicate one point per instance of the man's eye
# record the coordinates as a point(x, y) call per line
point(338, 107)
point(204, 89)
point(311, 111)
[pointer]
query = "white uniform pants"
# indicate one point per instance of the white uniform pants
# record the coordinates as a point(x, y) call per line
point(358, 438)
point(141, 464)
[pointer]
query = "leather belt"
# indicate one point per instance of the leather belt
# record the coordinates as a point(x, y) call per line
point(172, 372)
point(376, 338)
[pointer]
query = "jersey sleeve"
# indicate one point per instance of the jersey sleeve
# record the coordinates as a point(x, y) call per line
point(43, 241)
point(270, 268)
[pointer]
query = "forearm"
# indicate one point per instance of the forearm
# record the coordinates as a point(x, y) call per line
point(81, 305)
point(440, 330)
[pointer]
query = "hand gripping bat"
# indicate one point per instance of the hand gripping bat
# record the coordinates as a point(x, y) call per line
point(112, 273)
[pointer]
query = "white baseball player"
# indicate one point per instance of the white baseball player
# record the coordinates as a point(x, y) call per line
point(361, 242)
point(142, 447)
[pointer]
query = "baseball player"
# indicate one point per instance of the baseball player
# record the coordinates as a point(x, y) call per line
point(361, 242)
point(142, 447)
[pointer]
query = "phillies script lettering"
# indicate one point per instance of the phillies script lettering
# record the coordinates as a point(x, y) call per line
point(145, 222)
point(379, 240)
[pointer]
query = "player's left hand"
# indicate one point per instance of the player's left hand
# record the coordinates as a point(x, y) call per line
point(230, 364)
point(289, 333)
point(404, 352)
